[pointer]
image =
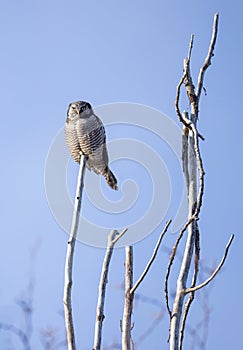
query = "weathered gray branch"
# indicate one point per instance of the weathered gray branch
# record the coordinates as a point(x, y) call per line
point(171, 260)
point(190, 89)
point(68, 281)
point(188, 252)
point(209, 56)
point(127, 343)
point(113, 237)
point(184, 155)
point(193, 169)
point(127, 312)
point(195, 142)
point(194, 280)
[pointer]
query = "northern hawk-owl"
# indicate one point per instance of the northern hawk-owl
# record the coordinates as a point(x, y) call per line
point(85, 134)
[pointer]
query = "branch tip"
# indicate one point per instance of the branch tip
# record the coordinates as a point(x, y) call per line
point(193, 289)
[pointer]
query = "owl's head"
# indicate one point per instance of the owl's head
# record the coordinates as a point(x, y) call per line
point(81, 109)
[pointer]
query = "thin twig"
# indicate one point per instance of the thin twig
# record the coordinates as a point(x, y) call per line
point(193, 289)
point(209, 56)
point(177, 99)
point(67, 298)
point(200, 169)
point(18, 332)
point(184, 155)
point(190, 47)
point(171, 260)
point(113, 237)
point(180, 84)
point(119, 235)
point(187, 80)
point(152, 258)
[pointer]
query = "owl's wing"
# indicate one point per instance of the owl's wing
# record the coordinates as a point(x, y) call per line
point(92, 141)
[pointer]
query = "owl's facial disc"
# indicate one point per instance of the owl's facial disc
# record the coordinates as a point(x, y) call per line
point(83, 108)
point(79, 109)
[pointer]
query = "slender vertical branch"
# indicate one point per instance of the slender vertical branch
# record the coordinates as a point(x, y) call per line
point(171, 260)
point(127, 313)
point(68, 281)
point(193, 170)
point(113, 237)
point(194, 280)
point(184, 155)
point(209, 56)
point(127, 343)
point(188, 252)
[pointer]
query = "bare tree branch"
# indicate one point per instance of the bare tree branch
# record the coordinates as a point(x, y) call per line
point(113, 237)
point(151, 259)
point(187, 80)
point(190, 89)
point(191, 154)
point(177, 99)
point(119, 236)
point(190, 47)
point(18, 332)
point(193, 289)
point(67, 298)
point(200, 169)
point(171, 260)
point(127, 313)
point(195, 212)
point(198, 158)
point(209, 56)
point(193, 330)
point(184, 155)
point(194, 280)
point(178, 89)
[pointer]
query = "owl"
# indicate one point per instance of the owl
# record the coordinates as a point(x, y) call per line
point(85, 134)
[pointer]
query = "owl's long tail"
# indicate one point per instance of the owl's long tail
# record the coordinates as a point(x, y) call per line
point(110, 179)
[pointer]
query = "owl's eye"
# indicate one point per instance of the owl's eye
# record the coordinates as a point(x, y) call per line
point(73, 107)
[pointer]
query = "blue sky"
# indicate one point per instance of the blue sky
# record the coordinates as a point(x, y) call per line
point(54, 52)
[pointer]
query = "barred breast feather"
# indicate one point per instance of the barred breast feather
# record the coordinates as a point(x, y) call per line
point(87, 136)
point(72, 140)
